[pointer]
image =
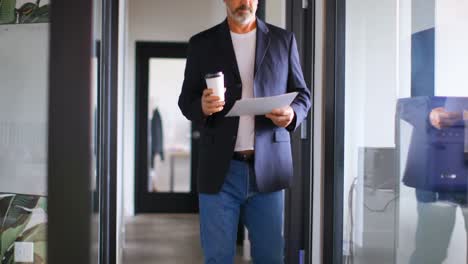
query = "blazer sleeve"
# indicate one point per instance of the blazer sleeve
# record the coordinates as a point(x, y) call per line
point(192, 87)
point(296, 83)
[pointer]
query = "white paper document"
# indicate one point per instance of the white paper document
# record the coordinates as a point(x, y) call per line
point(262, 105)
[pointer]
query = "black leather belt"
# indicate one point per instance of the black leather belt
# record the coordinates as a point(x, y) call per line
point(247, 157)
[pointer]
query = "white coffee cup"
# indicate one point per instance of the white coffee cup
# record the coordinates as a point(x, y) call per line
point(215, 81)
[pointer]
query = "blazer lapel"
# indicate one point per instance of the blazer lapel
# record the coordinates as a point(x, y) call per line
point(227, 50)
point(263, 42)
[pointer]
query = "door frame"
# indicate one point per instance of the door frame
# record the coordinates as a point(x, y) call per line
point(69, 132)
point(107, 126)
point(164, 202)
point(70, 136)
point(333, 138)
point(300, 15)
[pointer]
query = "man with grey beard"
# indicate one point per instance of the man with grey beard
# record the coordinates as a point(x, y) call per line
point(244, 162)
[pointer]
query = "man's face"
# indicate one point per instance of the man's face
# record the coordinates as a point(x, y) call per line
point(241, 11)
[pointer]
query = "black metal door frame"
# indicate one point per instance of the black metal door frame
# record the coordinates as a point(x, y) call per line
point(334, 95)
point(157, 202)
point(70, 136)
point(298, 198)
point(69, 132)
point(107, 131)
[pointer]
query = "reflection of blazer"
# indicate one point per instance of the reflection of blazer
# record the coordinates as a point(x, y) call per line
point(277, 71)
point(435, 159)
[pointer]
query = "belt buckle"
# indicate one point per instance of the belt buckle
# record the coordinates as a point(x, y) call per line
point(245, 157)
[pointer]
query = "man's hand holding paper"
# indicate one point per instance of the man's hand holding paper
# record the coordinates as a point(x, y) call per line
point(281, 117)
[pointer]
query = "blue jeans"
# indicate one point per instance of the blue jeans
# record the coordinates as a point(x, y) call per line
point(262, 214)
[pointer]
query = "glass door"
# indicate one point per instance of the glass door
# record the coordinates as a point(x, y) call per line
point(24, 60)
point(401, 167)
point(53, 207)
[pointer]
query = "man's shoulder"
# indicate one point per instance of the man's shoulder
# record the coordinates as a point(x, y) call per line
point(205, 35)
point(277, 31)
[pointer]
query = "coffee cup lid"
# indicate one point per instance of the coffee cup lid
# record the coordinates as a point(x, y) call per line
point(213, 75)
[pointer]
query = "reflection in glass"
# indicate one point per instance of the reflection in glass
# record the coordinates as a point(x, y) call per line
point(437, 170)
point(23, 129)
point(169, 140)
point(405, 162)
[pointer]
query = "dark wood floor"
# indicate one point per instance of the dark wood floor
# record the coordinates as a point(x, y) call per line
point(161, 238)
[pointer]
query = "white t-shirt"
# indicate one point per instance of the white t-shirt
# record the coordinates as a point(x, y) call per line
point(244, 48)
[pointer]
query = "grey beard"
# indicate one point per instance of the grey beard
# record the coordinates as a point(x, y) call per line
point(243, 20)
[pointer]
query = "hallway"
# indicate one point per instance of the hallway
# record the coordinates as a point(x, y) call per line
point(164, 238)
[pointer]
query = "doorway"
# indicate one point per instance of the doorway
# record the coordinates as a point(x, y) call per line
point(166, 142)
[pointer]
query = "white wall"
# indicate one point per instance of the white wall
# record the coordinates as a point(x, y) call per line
point(157, 20)
point(451, 53)
point(275, 12)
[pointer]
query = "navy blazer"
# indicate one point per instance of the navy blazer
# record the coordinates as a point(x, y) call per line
point(277, 71)
point(434, 155)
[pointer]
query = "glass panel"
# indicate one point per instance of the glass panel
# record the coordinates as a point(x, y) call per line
point(169, 131)
point(406, 139)
point(24, 57)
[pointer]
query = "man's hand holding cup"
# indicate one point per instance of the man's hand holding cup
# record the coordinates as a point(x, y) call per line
point(213, 96)
point(211, 103)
